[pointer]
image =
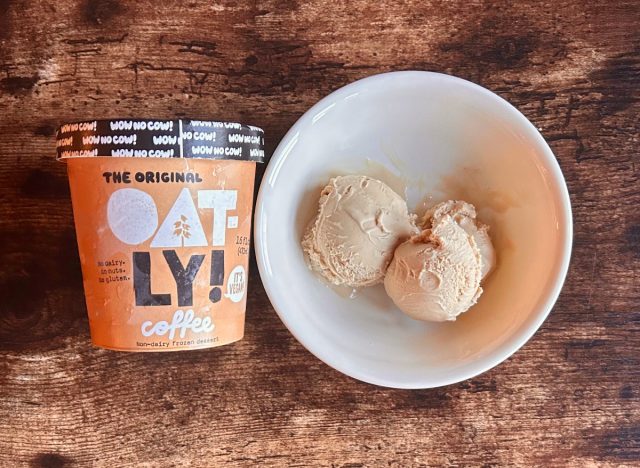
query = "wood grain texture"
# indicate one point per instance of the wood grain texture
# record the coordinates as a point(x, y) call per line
point(570, 397)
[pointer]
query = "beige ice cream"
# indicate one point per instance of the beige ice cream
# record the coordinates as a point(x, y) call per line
point(359, 224)
point(436, 275)
point(464, 214)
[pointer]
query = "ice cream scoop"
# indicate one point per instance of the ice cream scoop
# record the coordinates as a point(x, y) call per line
point(436, 275)
point(359, 224)
point(464, 214)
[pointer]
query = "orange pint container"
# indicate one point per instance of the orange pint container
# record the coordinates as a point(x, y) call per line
point(162, 211)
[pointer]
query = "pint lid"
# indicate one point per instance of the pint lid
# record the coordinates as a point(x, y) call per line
point(146, 138)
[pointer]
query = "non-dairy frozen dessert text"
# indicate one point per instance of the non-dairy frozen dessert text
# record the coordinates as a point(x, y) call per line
point(359, 224)
point(436, 275)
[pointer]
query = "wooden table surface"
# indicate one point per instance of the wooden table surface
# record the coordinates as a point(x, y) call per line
point(570, 397)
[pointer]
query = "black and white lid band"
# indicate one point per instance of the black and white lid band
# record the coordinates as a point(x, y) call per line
point(147, 138)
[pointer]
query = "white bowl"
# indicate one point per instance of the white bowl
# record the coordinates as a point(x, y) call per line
point(448, 138)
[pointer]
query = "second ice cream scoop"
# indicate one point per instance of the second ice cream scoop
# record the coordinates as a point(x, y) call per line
point(359, 224)
point(464, 214)
point(436, 275)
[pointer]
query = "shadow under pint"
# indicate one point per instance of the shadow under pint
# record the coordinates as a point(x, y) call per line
point(163, 213)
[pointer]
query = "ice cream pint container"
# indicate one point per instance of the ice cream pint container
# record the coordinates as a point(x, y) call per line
point(162, 211)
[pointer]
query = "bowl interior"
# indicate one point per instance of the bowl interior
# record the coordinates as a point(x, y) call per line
point(438, 137)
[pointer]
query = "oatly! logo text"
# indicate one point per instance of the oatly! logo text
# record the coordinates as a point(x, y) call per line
point(133, 218)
